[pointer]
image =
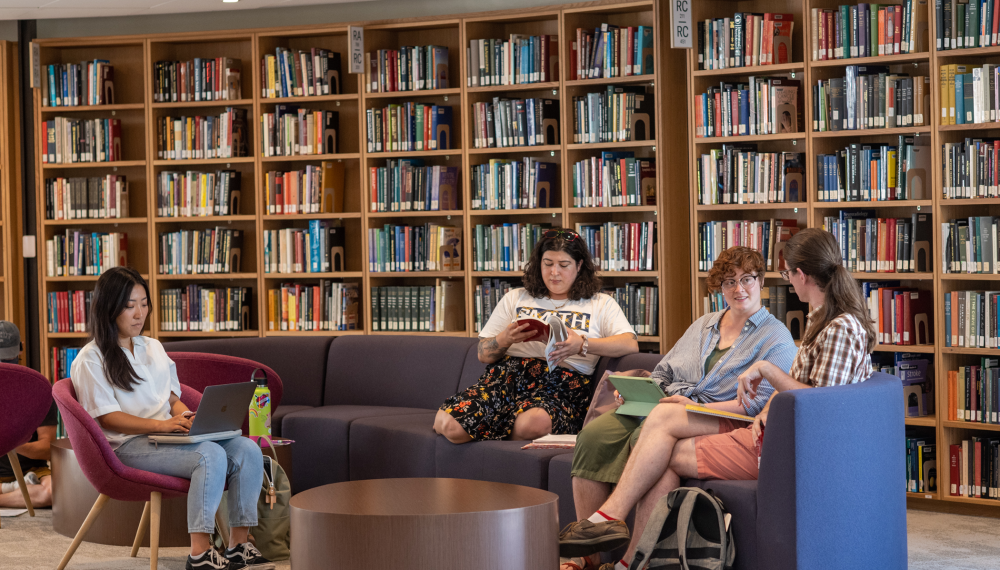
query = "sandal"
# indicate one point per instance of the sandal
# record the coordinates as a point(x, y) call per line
point(578, 563)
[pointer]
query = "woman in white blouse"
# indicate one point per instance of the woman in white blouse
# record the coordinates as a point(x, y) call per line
point(129, 385)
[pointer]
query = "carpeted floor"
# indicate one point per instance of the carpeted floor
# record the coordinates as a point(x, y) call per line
point(936, 542)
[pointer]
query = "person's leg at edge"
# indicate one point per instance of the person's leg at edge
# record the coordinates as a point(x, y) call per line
point(532, 423)
point(40, 495)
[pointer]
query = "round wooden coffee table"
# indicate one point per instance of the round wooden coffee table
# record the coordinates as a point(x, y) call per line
point(445, 524)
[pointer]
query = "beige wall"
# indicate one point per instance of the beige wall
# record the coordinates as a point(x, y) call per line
point(8, 30)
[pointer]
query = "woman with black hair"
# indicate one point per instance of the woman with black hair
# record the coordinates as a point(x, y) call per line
point(129, 385)
point(519, 396)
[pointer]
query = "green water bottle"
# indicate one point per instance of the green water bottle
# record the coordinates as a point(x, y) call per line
point(260, 408)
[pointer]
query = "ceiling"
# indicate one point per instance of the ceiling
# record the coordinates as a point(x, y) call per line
point(45, 9)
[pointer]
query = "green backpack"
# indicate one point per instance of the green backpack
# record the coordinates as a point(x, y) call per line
point(688, 530)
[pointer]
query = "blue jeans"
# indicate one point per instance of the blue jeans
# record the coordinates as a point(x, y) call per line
point(210, 466)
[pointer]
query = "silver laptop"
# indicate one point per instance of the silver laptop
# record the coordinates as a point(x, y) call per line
point(220, 415)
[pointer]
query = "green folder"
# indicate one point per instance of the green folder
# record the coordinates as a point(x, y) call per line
point(641, 394)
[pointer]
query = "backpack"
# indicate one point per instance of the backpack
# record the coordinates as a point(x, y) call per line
point(688, 530)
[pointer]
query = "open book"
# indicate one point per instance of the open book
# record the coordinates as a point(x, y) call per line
point(553, 441)
point(718, 413)
point(550, 331)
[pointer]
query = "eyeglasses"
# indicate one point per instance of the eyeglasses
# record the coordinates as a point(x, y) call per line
point(747, 281)
point(568, 235)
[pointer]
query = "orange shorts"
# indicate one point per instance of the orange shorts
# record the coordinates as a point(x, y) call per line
point(730, 455)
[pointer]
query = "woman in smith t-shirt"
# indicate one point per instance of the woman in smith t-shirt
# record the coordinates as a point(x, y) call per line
point(519, 397)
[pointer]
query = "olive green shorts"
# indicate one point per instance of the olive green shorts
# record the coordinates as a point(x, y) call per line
point(603, 446)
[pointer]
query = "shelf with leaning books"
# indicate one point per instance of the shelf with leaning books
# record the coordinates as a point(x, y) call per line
point(434, 52)
point(308, 130)
point(593, 27)
point(424, 305)
point(319, 305)
point(218, 134)
point(111, 70)
point(314, 57)
point(312, 247)
point(193, 71)
point(100, 138)
point(515, 51)
point(206, 307)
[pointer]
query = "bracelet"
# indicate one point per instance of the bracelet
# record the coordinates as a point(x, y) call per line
point(583, 349)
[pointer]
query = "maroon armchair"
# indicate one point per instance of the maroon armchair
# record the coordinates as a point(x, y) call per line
point(27, 398)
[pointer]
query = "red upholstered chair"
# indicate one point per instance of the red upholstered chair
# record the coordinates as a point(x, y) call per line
point(27, 398)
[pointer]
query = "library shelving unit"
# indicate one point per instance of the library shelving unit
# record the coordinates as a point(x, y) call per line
point(11, 307)
point(810, 212)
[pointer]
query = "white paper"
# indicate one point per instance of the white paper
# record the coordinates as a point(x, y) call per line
point(16, 512)
point(556, 438)
point(557, 333)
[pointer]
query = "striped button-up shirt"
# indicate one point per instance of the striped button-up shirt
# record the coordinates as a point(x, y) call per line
point(838, 355)
point(682, 370)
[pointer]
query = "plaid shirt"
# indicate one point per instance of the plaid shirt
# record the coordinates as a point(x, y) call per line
point(837, 356)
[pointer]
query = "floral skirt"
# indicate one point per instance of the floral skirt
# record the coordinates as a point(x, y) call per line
point(487, 410)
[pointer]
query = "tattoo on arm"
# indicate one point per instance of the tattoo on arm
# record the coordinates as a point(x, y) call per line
point(490, 348)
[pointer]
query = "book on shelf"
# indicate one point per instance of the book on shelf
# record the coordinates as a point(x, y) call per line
point(641, 303)
point(871, 97)
point(205, 308)
point(970, 245)
point(966, 24)
point(405, 184)
point(968, 169)
point(971, 319)
point(75, 252)
point(739, 174)
point(95, 197)
point(620, 246)
point(514, 184)
point(974, 468)
point(487, 297)
point(516, 60)
point(869, 30)
point(195, 252)
point(61, 361)
point(318, 248)
point(969, 94)
point(67, 141)
point(300, 73)
point(902, 315)
point(293, 131)
point(761, 106)
point(614, 179)
point(744, 40)
point(876, 172)
point(200, 137)
point(507, 123)
point(505, 246)
point(68, 311)
point(409, 68)
point(917, 373)
point(425, 308)
point(974, 392)
point(766, 236)
point(873, 244)
point(326, 306)
point(611, 51)
point(196, 194)
point(199, 79)
point(921, 463)
point(620, 113)
point(78, 84)
point(430, 247)
point(315, 189)
point(408, 127)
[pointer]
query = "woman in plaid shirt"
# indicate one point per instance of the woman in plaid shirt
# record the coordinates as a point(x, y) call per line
point(836, 347)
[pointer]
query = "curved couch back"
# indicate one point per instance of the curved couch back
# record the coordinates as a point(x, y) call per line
point(27, 398)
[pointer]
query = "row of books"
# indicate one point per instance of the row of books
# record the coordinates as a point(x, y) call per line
point(969, 94)
point(409, 68)
point(974, 470)
point(868, 30)
point(326, 306)
point(745, 40)
point(200, 79)
point(970, 319)
point(903, 316)
point(408, 127)
point(317, 188)
point(873, 244)
point(917, 373)
point(618, 114)
point(767, 237)
point(300, 73)
point(207, 251)
point(620, 246)
point(405, 185)
point(641, 304)
point(316, 249)
point(974, 392)
point(921, 465)
point(762, 106)
point(970, 245)
point(504, 247)
point(518, 59)
point(293, 131)
point(78, 84)
point(205, 308)
point(739, 174)
point(487, 296)
point(199, 137)
point(91, 198)
point(876, 172)
point(505, 123)
point(970, 169)
point(61, 361)
point(514, 184)
point(430, 247)
point(69, 311)
point(966, 24)
point(79, 252)
point(871, 97)
point(614, 179)
point(425, 308)
point(197, 194)
point(612, 51)
point(66, 140)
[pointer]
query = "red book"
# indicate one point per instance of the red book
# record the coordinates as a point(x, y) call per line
point(897, 25)
point(955, 476)
point(373, 185)
point(897, 327)
point(540, 327)
point(317, 309)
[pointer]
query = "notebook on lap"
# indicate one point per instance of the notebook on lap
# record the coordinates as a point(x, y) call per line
point(641, 394)
point(220, 415)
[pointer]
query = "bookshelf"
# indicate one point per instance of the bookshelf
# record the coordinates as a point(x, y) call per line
point(11, 308)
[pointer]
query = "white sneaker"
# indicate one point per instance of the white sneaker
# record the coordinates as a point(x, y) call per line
point(8, 487)
point(32, 479)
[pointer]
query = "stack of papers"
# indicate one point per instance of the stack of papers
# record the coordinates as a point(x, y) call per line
point(552, 441)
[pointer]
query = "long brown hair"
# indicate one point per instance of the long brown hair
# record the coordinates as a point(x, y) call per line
point(111, 297)
point(587, 283)
point(817, 254)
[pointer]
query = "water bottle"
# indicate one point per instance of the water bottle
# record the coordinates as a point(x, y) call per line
point(260, 408)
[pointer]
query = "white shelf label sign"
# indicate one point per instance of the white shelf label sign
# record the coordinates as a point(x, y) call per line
point(357, 35)
point(680, 24)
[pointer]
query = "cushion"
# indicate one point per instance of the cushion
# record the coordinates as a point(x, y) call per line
point(472, 370)
point(497, 461)
point(393, 447)
point(278, 414)
point(561, 483)
point(740, 500)
point(643, 360)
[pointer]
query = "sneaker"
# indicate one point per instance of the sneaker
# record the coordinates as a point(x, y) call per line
point(583, 538)
point(246, 555)
point(31, 478)
point(209, 560)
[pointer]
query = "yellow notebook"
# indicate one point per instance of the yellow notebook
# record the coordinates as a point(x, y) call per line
point(717, 413)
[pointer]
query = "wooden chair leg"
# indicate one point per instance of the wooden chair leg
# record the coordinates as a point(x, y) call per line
point(140, 532)
point(16, 466)
point(99, 504)
point(154, 528)
point(223, 526)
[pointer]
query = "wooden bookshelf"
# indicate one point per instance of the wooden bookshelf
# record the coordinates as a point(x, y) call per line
point(11, 306)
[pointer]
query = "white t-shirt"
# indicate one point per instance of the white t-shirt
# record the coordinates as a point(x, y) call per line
point(149, 399)
point(597, 317)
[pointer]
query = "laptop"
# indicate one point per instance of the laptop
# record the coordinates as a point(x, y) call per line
point(220, 415)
